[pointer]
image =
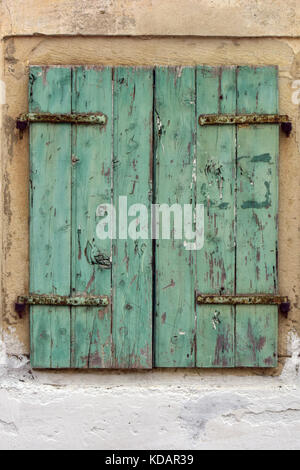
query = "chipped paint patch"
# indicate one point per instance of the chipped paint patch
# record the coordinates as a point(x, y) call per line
point(216, 320)
point(194, 173)
point(9, 342)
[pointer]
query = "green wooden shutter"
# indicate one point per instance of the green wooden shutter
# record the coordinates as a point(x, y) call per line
point(152, 149)
point(232, 171)
point(73, 170)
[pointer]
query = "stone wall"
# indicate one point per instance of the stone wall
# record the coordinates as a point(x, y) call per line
point(164, 409)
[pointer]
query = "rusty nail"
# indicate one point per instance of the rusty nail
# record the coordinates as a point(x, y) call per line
point(287, 128)
point(285, 308)
point(20, 309)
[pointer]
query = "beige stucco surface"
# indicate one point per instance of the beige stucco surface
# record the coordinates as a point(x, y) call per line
point(19, 53)
point(158, 409)
point(152, 17)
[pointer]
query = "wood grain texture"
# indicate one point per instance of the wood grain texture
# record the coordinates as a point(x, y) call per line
point(216, 93)
point(257, 212)
point(232, 171)
point(132, 258)
point(91, 186)
point(50, 216)
point(175, 127)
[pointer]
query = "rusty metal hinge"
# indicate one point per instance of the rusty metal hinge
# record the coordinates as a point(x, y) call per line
point(60, 301)
point(247, 119)
point(267, 299)
point(52, 118)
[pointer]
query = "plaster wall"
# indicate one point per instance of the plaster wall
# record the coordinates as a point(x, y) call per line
point(157, 409)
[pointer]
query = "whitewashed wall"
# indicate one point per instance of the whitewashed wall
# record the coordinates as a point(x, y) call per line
point(148, 411)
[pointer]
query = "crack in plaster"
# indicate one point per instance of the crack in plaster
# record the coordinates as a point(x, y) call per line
point(267, 416)
point(8, 427)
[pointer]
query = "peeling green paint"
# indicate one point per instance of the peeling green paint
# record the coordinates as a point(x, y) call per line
point(265, 158)
point(224, 205)
point(259, 205)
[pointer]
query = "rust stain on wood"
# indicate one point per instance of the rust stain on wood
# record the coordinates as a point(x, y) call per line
point(242, 299)
point(73, 118)
point(217, 119)
point(59, 300)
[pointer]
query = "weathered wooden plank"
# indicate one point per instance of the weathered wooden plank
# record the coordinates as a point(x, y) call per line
point(265, 299)
point(50, 214)
point(256, 336)
point(257, 90)
point(257, 209)
point(216, 93)
point(175, 122)
point(91, 186)
point(132, 178)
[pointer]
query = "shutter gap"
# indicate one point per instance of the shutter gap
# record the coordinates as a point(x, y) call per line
point(153, 202)
point(235, 211)
point(111, 201)
point(71, 234)
point(195, 202)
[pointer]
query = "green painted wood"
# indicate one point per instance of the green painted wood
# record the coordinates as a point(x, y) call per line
point(50, 211)
point(132, 177)
point(216, 93)
point(72, 174)
point(256, 336)
point(257, 90)
point(175, 124)
point(91, 186)
point(257, 212)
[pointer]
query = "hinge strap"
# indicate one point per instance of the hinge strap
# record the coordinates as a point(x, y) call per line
point(247, 119)
point(282, 301)
point(60, 301)
point(52, 118)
